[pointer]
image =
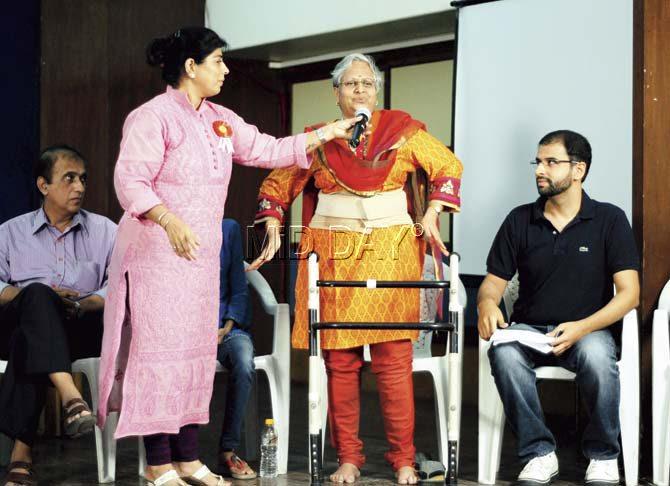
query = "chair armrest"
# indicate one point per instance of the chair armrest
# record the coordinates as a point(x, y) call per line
point(485, 378)
point(630, 340)
point(281, 337)
point(262, 287)
point(660, 341)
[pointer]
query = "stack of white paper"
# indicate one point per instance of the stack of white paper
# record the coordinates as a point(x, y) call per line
point(536, 340)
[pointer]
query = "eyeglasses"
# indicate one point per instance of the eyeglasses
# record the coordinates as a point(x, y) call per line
point(551, 163)
point(363, 83)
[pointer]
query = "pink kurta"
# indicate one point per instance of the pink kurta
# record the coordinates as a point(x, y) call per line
point(159, 346)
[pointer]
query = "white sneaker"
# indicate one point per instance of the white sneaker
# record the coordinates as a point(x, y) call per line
point(602, 472)
point(539, 470)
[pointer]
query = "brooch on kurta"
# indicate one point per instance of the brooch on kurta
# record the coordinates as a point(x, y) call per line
point(224, 132)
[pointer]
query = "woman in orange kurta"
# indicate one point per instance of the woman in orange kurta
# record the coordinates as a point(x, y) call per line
point(361, 227)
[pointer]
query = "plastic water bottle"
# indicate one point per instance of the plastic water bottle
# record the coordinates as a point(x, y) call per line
point(268, 467)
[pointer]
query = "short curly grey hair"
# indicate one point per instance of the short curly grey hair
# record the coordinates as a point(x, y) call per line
point(346, 63)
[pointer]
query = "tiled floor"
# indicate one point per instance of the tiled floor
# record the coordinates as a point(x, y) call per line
point(72, 463)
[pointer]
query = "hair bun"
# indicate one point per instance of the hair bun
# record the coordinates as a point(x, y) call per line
point(157, 51)
point(171, 52)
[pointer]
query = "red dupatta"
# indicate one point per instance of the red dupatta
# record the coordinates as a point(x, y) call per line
point(363, 176)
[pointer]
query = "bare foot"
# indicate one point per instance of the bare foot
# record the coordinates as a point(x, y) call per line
point(406, 475)
point(186, 469)
point(346, 473)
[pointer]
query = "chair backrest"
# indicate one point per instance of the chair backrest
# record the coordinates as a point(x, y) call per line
point(511, 294)
point(428, 306)
point(262, 287)
point(664, 301)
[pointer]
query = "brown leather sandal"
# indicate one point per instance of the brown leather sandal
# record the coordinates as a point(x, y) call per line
point(81, 425)
point(21, 478)
point(237, 468)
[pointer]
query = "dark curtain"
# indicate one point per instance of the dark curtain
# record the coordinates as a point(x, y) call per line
point(19, 132)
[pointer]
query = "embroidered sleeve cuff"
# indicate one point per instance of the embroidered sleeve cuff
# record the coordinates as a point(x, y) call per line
point(269, 207)
point(447, 191)
point(143, 204)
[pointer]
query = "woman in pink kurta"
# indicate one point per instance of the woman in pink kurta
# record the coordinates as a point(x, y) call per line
point(159, 347)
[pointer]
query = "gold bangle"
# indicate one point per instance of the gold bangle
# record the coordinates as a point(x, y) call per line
point(437, 209)
point(160, 218)
point(167, 223)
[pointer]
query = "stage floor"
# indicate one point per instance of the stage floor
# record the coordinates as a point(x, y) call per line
point(72, 463)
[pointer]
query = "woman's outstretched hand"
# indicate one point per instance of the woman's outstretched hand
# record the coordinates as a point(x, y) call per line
point(344, 128)
point(272, 244)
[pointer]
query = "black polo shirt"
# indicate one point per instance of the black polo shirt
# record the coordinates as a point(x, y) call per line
point(563, 276)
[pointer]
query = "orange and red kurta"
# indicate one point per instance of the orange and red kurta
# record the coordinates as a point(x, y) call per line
point(397, 147)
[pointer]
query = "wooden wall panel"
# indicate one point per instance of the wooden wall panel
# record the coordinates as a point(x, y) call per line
point(651, 174)
point(74, 86)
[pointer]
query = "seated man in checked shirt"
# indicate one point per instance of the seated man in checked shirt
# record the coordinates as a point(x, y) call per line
point(53, 277)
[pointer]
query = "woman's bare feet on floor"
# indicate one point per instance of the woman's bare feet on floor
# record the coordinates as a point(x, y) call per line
point(346, 473)
point(406, 475)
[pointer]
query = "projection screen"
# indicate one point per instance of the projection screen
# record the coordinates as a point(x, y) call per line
point(525, 68)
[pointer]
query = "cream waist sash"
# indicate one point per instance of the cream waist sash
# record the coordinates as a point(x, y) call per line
point(357, 213)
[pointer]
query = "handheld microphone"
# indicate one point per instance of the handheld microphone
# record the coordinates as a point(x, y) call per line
point(359, 127)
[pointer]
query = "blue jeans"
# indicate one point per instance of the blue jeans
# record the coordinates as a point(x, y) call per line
point(593, 360)
point(236, 353)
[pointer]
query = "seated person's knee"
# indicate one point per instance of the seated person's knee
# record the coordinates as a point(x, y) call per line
point(506, 355)
point(40, 292)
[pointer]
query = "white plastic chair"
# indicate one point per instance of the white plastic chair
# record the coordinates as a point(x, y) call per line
point(424, 361)
point(491, 414)
point(277, 367)
point(5, 442)
point(105, 446)
point(660, 389)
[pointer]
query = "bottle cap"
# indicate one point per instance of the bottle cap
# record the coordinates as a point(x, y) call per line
point(269, 422)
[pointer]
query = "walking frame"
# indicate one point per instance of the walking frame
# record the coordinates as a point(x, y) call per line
point(450, 326)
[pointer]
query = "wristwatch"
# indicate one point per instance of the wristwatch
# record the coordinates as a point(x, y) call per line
point(78, 308)
point(321, 135)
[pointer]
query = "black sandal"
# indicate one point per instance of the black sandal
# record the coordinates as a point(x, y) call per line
point(84, 424)
point(21, 478)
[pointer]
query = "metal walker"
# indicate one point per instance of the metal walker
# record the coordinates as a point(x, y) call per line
point(450, 326)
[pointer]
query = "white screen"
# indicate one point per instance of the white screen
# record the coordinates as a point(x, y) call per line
point(525, 68)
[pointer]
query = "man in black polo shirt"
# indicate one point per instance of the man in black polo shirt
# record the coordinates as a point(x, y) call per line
point(568, 251)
